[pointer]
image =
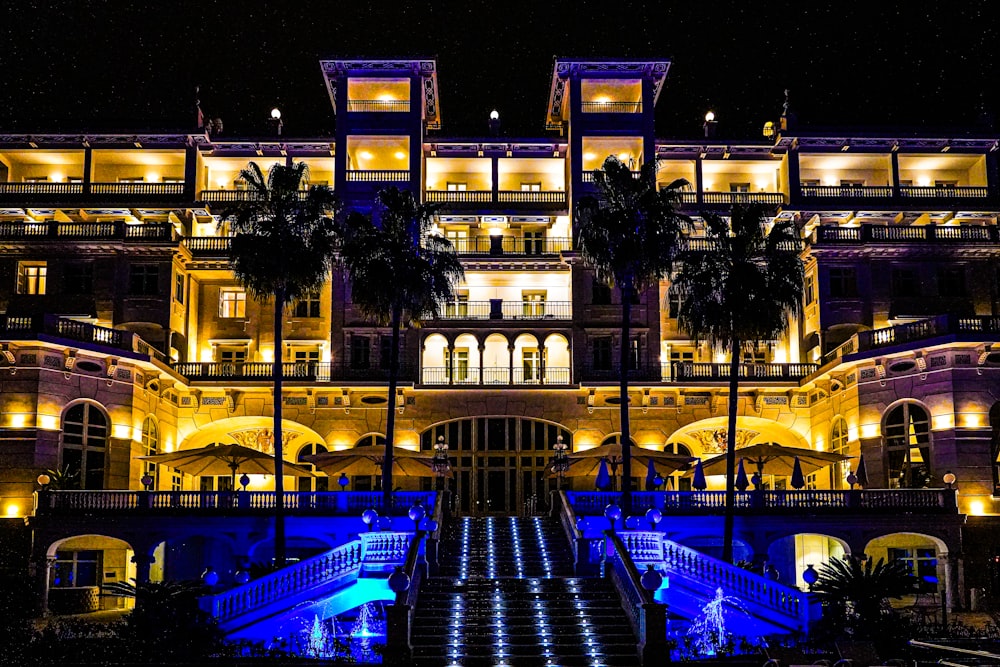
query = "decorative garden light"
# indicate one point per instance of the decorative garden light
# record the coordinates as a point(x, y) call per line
point(370, 517)
point(43, 480)
point(653, 516)
point(147, 481)
point(210, 577)
point(560, 460)
point(244, 481)
point(343, 481)
point(612, 513)
point(949, 479)
point(241, 577)
point(399, 581)
point(810, 576)
point(416, 514)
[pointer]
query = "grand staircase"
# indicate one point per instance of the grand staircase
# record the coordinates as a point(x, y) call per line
point(505, 594)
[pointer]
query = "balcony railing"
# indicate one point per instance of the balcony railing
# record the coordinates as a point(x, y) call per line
point(496, 375)
point(214, 246)
point(104, 231)
point(888, 501)
point(863, 191)
point(686, 371)
point(511, 245)
point(140, 189)
point(588, 175)
point(41, 188)
point(378, 106)
point(531, 197)
point(301, 371)
point(948, 192)
point(506, 310)
point(655, 372)
point(30, 327)
point(459, 196)
point(349, 503)
point(611, 107)
point(378, 175)
point(729, 198)
point(905, 234)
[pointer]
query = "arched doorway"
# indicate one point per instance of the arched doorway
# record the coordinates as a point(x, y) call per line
point(499, 462)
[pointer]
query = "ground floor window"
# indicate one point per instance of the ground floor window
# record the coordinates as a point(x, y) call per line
point(922, 563)
point(76, 568)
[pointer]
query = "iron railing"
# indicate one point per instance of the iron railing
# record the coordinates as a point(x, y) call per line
point(949, 192)
point(511, 245)
point(41, 188)
point(506, 310)
point(378, 106)
point(495, 375)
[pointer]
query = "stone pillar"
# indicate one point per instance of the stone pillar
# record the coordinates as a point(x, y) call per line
point(451, 362)
point(653, 642)
point(510, 364)
point(952, 593)
point(482, 353)
point(142, 561)
point(42, 571)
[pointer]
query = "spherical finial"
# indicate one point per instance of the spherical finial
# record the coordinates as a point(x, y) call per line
point(43, 479)
point(276, 113)
point(494, 115)
point(210, 577)
point(949, 478)
point(654, 516)
point(369, 516)
point(241, 577)
point(651, 580)
point(399, 581)
point(710, 116)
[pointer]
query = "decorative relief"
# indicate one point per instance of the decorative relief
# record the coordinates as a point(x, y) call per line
point(868, 373)
point(262, 439)
point(52, 362)
point(715, 441)
point(296, 400)
point(938, 362)
point(963, 358)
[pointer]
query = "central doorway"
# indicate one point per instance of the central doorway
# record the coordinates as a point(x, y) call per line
point(499, 463)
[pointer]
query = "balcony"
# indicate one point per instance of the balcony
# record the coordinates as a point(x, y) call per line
point(549, 200)
point(208, 246)
point(46, 327)
point(874, 233)
point(378, 106)
point(556, 197)
point(847, 191)
point(868, 501)
point(496, 376)
point(978, 328)
point(41, 188)
point(459, 196)
point(686, 371)
point(234, 196)
point(506, 310)
point(138, 189)
point(378, 175)
point(78, 231)
point(730, 198)
point(294, 371)
point(943, 192)
point(494, 246)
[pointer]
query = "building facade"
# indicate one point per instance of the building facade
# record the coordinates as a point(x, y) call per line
point(125, 334)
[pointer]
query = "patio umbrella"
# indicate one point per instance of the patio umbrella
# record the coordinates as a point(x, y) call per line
point(368, 460)
point(777, 459)
point(665, 463)
point(699, 482)
point(862, 472)
point(742, 483)
point(798, 480)
point(225, 460)
point(650, 475)
point(603, 481)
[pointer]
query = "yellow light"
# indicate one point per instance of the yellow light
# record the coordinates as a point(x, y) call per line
point(12, 510)
point(604, 99)
point(168, 445)
point(869, 430)
point(18, 421)
point(48, 422)
point(365, 155)
point(923, 181)
point(206, 355)
point(56, 177)
point(710, 116)
point(399, 155)
point(582, 448)
point(819, 443)
point(495, 231)
point(589, 156)
point(152, 177)
point(709, 186)
point(221, 183)
point(385, 97)
point(943, 421)
point(123, 431)
point(972, 420)
point(976, 508)
point(267, 354)
point(623, 157)
point(829, 179)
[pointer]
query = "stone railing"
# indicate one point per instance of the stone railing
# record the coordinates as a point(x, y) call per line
point(30, 327)
point(729, 198)
point(687, 371)
point(90, 231)
point(505, 310)
point(985, 327)
point(647, 617)
point(319, 503)
point(864, 191)
point(878, 233)
point(930, 501)
point(378, 175)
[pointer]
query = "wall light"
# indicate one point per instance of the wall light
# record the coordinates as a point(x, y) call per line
point(12, 510)
point(365, 155)
point(977, 508)
point(48, 422)
point(399, 155)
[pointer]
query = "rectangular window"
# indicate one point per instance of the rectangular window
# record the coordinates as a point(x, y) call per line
point(457, 187)
point(308, 306)
point(361, 352)
point(531, 187)
point(231, 355)
point(681, 356)
point(531, 362)
point(532, 304)
point(951, 281)
point(135, 179)
point(739, 187)
point(922, 563)
point(302, 353)
point(810, 289)
point(948, 185)
point(634, 354)
point(459, 307)
point(674, 301)
point(602, 353)
point(755, 356)
point(31, 277)
point(76, 568)
point(78, 278)
point(36, 179)
point(843, 282)
point(600, 294)
point(232, 303)
point(534, 243)
point(905, 282)
point(179, 287)
point(143, 279)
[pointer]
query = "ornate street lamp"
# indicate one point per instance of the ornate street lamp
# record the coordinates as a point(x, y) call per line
point(560, 460)
point(440, 463)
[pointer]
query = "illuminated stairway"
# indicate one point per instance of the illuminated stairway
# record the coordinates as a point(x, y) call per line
point(506, 595)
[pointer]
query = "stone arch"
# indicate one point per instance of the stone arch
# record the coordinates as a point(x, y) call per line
point(77, 565)
point(929, 557)
point(252, 432)
point(85, 442)
point(793, 552)
point(496, 358)
point(703, 436)
point(433, 363)
point(907, 444)
point(465, 365)
point(557, 358)
point(527, 359)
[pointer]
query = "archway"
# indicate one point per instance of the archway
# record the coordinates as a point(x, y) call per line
point(79, 566)
point(791, 555)
point(496, 360)
point(558, 361)
point(432, 363)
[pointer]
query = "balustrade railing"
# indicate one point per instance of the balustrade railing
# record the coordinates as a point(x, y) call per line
point(592, 503)
point(378, 106)
point(531, 197)
point(687, 371)
point(588, 175)
point(496, 375)
point(309, 371)
point(873, 191)
point(21, 327)
point(950, 192)
point(41, 188)
point(459, 196)
point(208, 245)
point(729, 198)
point(137, 188)
point(378, 175)
point(333, 503)
point(611, 107)
point(110, 231)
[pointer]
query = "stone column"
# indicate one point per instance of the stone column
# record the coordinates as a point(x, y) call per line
point(42, 571)
point(952, 564)
point(142, 561)
point(482, 353)
point(510, 364)
point(451, 362)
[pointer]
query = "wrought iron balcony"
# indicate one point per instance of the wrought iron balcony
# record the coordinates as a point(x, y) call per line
point(506, 310)
point(874, 501)
point(516, 246)
point(875, 233)
point(296, 371)
point(495, 375)
point(986, 328)
point(44, 327)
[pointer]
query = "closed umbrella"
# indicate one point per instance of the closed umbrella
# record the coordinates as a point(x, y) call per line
point(862, 472)
point(742, 483)
point(699, 482)
point(650, 475)
point(603, 481)
point(798, 480)
point(216, 460)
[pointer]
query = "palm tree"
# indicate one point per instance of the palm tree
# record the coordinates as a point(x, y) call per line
point(400, 274)
point(283, 247)
point(628, 234)
point(855, 591)
point(740, 287)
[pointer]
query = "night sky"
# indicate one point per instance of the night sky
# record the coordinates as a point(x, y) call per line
point(119, 65)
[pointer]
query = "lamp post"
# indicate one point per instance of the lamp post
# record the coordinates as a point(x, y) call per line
point(560, 460)
point(276, 120)
point(710, 125)
point(612, 513)
point(440, 463)
point(343, 481)
point(495, 123)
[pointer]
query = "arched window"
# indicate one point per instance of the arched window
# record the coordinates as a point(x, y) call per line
point(838, 445)
point(678, 448)
point(150, 447)
point(995, 444)
point(84, 445)
point(320, 483)
point(615, 439)
point(908, 446)
point(370, 440)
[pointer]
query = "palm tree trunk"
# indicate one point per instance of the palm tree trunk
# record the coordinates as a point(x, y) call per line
point(390, 420)
point(626, 438)
point(279, 479)
point(734, 403)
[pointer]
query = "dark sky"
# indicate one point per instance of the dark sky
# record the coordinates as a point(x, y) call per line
point(118, 64)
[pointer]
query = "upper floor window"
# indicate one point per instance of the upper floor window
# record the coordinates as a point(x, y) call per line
point(303, 353)
point(179, 287)
point(150, 447)
point(843, 282)
point(231, 354)
point(31, 277)
point(839, 436)
point(457, 187)
point(951, 281)
point(905, 282)
point(739, 187)
point(385, 352)
point(318, 483)
point(78, 278)
point(531, 187)
point(809, 289)
point(144, 279)
point(308, 306)
point(360, 352)
point(600, 293)
point(84, 444)
point(908, 446)
point(675, 298)
point(602, 353)
point(232, 303)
